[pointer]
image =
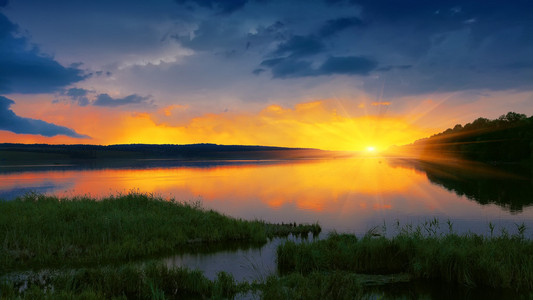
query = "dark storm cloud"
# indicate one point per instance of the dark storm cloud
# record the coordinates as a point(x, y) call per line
point(78, 95)
point(448, 46)
point(292, 68)
point(415, 46)
point(389, 68)
point(296, 56)
point(82, 97)
point(299, 46)
point(349, 65)
point(336, 25)
point(412, 10)
point(23, 69)
point(299, 55)
point(11, 122)
point(288, 68)
point(427, 19)
point(258, 71)
point(222, 6)
point(210, 35)
point(76, 92)
point(106, 100)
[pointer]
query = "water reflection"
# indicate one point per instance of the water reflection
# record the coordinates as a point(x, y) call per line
point(347, 195)
point(508, 186)
point(245, 263)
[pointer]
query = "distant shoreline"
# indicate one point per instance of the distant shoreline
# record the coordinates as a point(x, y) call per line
point(44, 154)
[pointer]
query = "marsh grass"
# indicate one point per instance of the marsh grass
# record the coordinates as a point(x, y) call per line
point(155, 281)
point(502, 261)
point(38, 231)
point(301, 230)
point(326, 285)
point(315, 285)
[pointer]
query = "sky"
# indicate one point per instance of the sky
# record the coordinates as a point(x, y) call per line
point(328, 74)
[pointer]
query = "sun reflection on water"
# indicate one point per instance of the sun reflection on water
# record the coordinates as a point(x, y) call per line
point(339, 193)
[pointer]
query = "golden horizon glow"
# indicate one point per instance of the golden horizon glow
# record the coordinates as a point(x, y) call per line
point(315, 124)
point(289, 184)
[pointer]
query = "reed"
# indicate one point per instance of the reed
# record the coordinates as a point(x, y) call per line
point(154, 281)
point(315, 285)
point(503, 261)
point(38, 231)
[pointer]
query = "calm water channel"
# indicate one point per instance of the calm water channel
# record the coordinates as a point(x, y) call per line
point(346, 195)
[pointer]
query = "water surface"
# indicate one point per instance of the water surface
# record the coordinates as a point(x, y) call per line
point(346, 195)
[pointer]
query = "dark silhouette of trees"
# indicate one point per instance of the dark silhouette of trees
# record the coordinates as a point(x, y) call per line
point(508, 138)
point(42, 153)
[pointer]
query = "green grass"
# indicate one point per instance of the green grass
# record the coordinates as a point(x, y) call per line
point(326, 285)
point(504, 261)
point(38, 231)
point(334, 285)
point(126, 282)
point(156, 281)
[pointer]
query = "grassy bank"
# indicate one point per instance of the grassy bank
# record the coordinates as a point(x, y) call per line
point(76, 237)
point(125, 282)
point(505, 261)
point(159, 282)
point(39, 231)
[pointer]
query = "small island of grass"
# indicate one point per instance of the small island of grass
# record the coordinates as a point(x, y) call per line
point(41, 231)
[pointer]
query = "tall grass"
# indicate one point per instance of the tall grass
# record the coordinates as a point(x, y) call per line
point(326, 285)
point(126, 282)
point(334, 285)
point(156, 281)
point(39, 231)
point(284, 230)
point(503, 261)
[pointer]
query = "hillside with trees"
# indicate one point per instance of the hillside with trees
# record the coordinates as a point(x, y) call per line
point(508, 138)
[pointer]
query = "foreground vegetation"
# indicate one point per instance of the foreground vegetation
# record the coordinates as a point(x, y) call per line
point(157, 281)
point(341, 266)
point(39, 231)
point(125, 282)
point(88, 245)
point(160, 282)
point(503, 261)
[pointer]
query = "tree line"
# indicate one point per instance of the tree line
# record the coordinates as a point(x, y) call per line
point(508, 138)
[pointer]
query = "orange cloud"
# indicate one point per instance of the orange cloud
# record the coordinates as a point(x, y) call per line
point(315, 124)
point(167, 111)
point(380, 103)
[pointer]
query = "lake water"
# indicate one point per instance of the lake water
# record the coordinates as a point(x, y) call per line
point(346, 195)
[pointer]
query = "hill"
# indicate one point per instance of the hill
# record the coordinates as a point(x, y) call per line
point(508, 138)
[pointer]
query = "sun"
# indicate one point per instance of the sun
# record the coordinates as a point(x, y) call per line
point(371, 149)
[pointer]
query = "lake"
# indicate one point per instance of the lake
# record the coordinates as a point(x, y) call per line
point(347, 195)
